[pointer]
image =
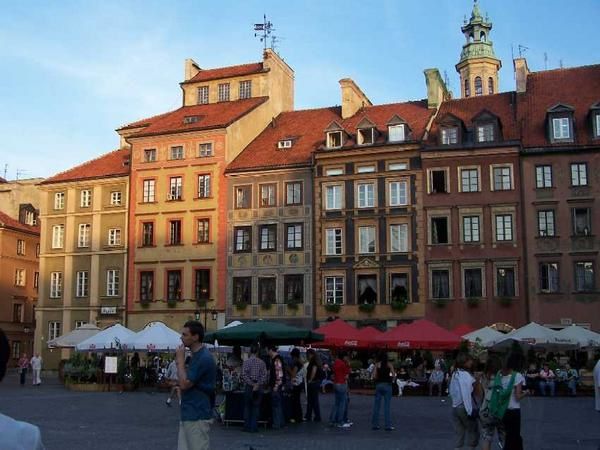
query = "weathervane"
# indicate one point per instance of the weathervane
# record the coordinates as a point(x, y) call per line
point(265, 29)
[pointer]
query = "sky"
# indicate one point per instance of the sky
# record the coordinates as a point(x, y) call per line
point(71, 72)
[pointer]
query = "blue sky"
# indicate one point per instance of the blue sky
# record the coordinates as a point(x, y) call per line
point(73, 71)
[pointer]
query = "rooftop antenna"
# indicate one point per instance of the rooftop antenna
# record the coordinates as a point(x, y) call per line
point(264, 30)
point(20, 172)
point(545, 61)
point(522, 50)
point(5, 170)
point(275, 40)
point(560, 63)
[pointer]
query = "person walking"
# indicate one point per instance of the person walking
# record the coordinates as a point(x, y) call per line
point(314, 375)
point(171, 377)
point(462, 389)
point(383, 375)
point(36, 367)
point(511, 420)
point(277, 383)
point(23, 364)
point(341, 370)
point(597, 384)
point(297, 374)
point(197, 384)
point(436, 379)
point(490, 424)
point(254, 377)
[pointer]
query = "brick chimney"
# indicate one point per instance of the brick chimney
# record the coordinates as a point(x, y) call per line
point(353, 98)
point(191, 69)
point(521, 72)
point(437, 91)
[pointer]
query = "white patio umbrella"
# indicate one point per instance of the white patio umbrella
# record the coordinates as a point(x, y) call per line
point(486, 336)
point(74, 337)
point(110, 338)
point(538, 336)
point(155, 337)
point(584, 337)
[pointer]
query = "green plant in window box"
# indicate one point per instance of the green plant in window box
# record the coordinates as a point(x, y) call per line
point(240, 306)
point(266, 304)
point(473, 302)
point(367, 307)
point(171, 302)
point(145, 303)
point(201, 302)
point(399, 305)
point(440, 302)
point(332, 307)
point(293, 304)
point(505, 301)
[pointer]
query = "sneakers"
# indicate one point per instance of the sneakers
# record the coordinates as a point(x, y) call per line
point(168, 402)
point(344, 425)
point(390, 429)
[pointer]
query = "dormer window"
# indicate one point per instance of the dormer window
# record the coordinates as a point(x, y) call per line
point(284, 143)
point(366, 136)
point(595, 116)
point(334, 139)
point(561, 128)
point(190, 119)
point(449, 135)
point(560, 123)
point(397, 133)
point(597, 125)
point(485, 132)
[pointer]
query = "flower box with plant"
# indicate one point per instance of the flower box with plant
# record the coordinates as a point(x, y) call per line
point(399, 304)
point(266, 304)
point(240, 306)
point(171, 302)
point(293, 304)
point(473, 302)
point(367, 307)
point(332, 307)
point(506, 301)
point(440, 302)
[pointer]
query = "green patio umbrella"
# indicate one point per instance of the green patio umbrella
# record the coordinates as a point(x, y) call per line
point(264, 332)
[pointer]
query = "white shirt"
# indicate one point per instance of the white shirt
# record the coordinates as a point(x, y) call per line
point(15, 435)
point(461, 389)
point(519, 379)
point(172, 371)
point(36, 362)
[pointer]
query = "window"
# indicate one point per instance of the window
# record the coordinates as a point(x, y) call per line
point(367, 289)
point(114, 237)
point(582, 221)
point(473, 283)
point(83, 238)
point(147, 234)
point(59, 200)
point(36, 280)
point(467, 88)
point(115, 198)
point(293, 193)
point(174, 232)
point(561, 128)
point(399, 287)
point(294, 236)
point(268, 195)
point(175, 188)
point(58, 236)
point(176, 152)
point(20, 247)
point(86, 198)
point(579, 173)
point(469, 180)
point(148, 191)
point(53, 330)
point(204, 187)
point(79, 323)
point(440, 283)
point(543, 177)
point(365, 169)
point(396, 133)
point(471, 229)
point(112, 282)
point(203, 95)
point(366, 136)
point(284, 143)
point(205, 149)
point(82, 284)
point(15, 349)
point(202, 285)
point(549, 277)
point(366, 195)
point(20, 277)
point(449, 135)
point(55, 284)
point(268, 238)
point(203, 234)
point(223, 91)
point(478, 86)
point(267, 290)
point(173, 285)
point(333, 241)
point(399, 238)
point(30, 218)
point(502, 178)
point(584, 276)
point(293, 288)
point(597, 125)
point(17, 312)
point(334, 290)
point(245, 89)
point(438, 181)
point(334, 172)
point(546, 223)
point(366, 240)
point(397, 166)
point(333, 197)
point(485, 133)
point(398, 193)
point(146, 286)
point(37, 250)
point(439, 230)
point(504, 229)
point(150, 155)
point(242, 290)
point(490, 85)
point(242, 239)
point(505, 282)
point(334, 139)
point(243, 195)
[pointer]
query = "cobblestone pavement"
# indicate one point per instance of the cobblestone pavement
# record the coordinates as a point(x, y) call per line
point(141, 420)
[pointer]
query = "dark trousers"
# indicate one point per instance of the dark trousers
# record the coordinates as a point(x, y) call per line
point(512, 425)
point(296, 403)
point(252, 401)
point(312, 401)
point(22, 376)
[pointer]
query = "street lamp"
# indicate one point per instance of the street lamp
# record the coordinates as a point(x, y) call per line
point(214, 314)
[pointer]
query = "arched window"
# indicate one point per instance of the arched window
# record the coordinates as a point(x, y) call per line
point(482, 36)
point(471, 37)
point(467, 88)
point(490, 85)
point(478, 86)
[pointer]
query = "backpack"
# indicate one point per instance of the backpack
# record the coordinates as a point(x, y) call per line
point(500, 397)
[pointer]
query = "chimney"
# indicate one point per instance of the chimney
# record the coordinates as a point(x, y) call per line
point(190, 70)
point(437, 91)
point(521, 72)
point(353, 98)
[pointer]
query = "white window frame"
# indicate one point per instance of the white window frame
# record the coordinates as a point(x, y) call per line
point(468, 187)
point(176, 152)
point(112, 282)
point(205, 149)
point(59, 200)
point(485, 133)
point(294, 239)
point(56, 279)
point(203, 95)
point(543, 176)
point(83, 235)
point(53, 330)
point(397, 133)
point(398, 193)
point(20, 247)
point(397, 166)
point(331, 140)
point(334, 171)
point(449, 135)
point(474, 234)
point(245, 89)
point(82, 283)
point(175, 188)
point(292, 185)
point(149, 155)
point(366, 169)
point(284, 144)
point(149, 191)
point(204, 181)
point(366, 195)
point(336, 292)
point(86, 198)
point(366, 235)
point(80, 323)
point(333, 202)
point(114, 237)
point(502, 187)
point(365, 136)
point(20, 277)
point(546, 223)
point(58, 236)
point(116, 198)
point(502, 233)
point(399, 238)
point(334, 241)
point(579, 177)
point(561, 128)
point(223, 92)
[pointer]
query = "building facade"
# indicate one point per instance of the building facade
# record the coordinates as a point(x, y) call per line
point(20, 199)
point(83, 259)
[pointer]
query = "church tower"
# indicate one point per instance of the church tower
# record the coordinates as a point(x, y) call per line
point(478, 66)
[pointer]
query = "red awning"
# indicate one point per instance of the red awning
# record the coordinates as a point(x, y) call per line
point(463, 329)
point(341, 334)
point(421, 334)
point(368, 335)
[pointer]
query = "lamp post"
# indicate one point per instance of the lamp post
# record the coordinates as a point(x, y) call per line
point(214, 313)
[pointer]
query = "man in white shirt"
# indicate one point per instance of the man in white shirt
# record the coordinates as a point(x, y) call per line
point(36, 367)
point(15, 435)
point(171, 376)
point(462, 387)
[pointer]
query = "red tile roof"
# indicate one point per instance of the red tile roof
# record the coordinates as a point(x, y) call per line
point(212, 115)
point(144, 122)
point(8, 222)
point(226, 72)
point(306, 129)
point(113, 164)
point(578, 87)
point(2, 180)
point(466, 109)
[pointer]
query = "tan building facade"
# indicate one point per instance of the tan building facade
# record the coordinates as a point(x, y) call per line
point(20, 199)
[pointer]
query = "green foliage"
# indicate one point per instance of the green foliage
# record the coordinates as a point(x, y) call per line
point(266, 304)
point(332, 307)
point(293, 305)
point(79, 369)
point(171, 303)
point(367, 307)
point(440, 302)
point(240, 306)
point(473, 302)
point(399, 305)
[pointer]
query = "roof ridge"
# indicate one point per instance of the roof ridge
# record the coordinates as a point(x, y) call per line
point(140, 122)
point(93, 160)
point(479, 97)
point(564, 69)
point(393, 103)
point(230, 67)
